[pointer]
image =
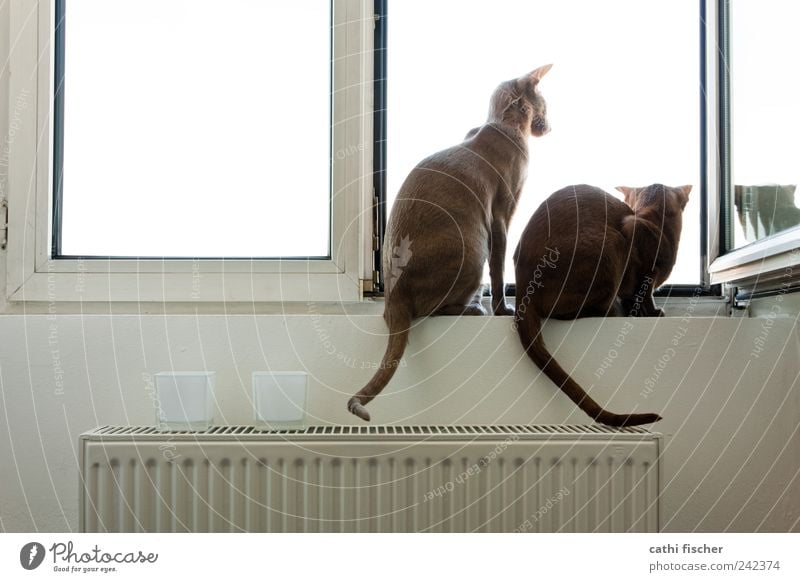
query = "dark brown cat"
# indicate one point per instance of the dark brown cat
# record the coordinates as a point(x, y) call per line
point(451, 216)
point(583, 249)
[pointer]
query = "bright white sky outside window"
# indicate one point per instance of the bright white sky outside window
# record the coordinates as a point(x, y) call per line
point(623, 95)
point(197, 128)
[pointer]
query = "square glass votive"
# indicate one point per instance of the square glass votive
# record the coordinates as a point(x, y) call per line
point(185, 400)
point(279, 399)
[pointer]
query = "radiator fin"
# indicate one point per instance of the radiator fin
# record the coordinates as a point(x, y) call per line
point(370, 479)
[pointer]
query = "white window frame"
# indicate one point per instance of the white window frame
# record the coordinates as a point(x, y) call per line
point(32, 274)
point(769, 264)
point(713, 166)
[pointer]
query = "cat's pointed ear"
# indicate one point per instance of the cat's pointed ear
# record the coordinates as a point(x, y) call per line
point(684, 194)
point(629, 194)
point(536, 75)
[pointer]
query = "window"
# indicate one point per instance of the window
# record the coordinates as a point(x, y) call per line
point(228, 151)
point(623, 96)
point(203, 151)
point(759, 125)
point(764, 119)
point(193, 130)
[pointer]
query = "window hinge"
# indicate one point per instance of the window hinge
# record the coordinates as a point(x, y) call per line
point(376, 240)
point(3, 223)
point(736, 306)
point(369, 287)
point(376, 243)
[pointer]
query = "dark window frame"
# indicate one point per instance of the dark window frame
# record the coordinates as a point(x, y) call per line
point(379, 144)
point(702, 288)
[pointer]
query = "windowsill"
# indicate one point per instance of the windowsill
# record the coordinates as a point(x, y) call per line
point(693, 306)
point(769, 264)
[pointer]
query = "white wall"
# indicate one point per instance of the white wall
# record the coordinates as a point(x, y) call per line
point(731, 455)
point(731, 448)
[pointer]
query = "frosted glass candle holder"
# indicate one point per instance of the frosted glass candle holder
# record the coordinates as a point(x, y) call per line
point(185, 400)
point(279, 399)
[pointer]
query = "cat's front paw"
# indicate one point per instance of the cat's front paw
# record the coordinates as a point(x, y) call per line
point(503, 309)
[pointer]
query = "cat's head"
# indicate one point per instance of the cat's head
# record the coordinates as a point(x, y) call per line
point(674, 199)
point(660, 207)
point(519, 103)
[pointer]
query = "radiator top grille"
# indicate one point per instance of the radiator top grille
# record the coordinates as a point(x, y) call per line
point(338, 432)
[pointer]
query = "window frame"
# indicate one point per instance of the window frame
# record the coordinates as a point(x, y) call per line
point(34, 275)
point(709, 214)
point(358, 213)
point(767, 266)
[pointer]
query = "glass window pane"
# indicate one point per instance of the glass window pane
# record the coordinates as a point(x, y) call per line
point(623, 95)
point(765, 120)
point(196, 129)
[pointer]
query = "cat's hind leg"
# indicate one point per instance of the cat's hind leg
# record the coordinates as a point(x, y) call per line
point(598, 303)
point(599, 311)
point(642, 303)
point(469, 309)
point(474, 307)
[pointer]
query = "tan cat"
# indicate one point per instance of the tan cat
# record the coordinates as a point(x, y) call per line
point(583, 249)
point(451, 216)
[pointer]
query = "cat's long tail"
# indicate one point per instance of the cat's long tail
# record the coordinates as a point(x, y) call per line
point(529, 329)
point(399, 321)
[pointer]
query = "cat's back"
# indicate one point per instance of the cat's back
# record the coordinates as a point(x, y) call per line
point(451, 167)
point(470, 171)
point(575, 216)
point(583, 199)
point(581, 226)
point(577, 208)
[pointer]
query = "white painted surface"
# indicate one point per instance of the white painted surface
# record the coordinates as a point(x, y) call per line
point(732, 452)
point(32, 276)
point(468, 481)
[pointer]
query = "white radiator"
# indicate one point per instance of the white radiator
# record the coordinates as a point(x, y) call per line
point(371, 479)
